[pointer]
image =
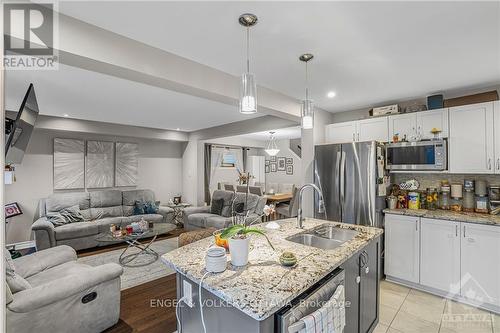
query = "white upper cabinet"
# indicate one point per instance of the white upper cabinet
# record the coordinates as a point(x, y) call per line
point(496, 131)
point(402, 246)
point(340, 132)
point(440, 254)
point(480, 259)
point(427, 120)
point(403, 125)
point(471, 141)
point(374, 129)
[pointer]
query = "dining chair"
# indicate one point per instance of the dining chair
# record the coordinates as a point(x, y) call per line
point(286, 188)
point(229, 187)
point(289, 210)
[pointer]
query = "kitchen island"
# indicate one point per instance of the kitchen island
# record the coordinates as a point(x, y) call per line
point(245, 299)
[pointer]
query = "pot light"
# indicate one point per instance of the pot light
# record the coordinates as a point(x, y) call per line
point(307, 107)
point(331, 94)
point(248, 88)
point(272, 147)
point(65, 115)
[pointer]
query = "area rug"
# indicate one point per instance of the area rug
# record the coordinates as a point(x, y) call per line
point(134, 276)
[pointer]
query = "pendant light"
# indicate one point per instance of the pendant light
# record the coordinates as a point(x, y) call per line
point(307, 107)
point(272, 147)
point(248, 89)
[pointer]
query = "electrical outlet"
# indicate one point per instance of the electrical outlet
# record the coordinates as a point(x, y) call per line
point(187, 293)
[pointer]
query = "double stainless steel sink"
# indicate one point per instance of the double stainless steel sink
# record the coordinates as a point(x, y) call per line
point(326, 237)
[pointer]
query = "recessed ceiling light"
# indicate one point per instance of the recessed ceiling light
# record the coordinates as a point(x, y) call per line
point(66, 115)
point(331, 94)
point(177, 129)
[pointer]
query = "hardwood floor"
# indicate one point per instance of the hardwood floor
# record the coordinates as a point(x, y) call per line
point(144, 308)
point(137, 313)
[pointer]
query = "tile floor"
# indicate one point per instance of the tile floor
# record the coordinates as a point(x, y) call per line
point(408, 310)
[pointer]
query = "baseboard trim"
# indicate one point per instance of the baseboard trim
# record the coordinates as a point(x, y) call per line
point(437, 292)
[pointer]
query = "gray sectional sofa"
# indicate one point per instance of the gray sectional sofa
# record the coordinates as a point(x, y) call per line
point(201, 217)
point(100, 209)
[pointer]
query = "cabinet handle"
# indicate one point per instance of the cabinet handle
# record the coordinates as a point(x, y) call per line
point(456, 230)
point(353, 136)
point(498, 163)
point(358, 136)
point(464, 231)
point(489, 163)
point(416, 225)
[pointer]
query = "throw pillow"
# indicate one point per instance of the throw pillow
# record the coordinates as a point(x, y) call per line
point(152, 207)
point(15, 281)
point(67, 215)
point(239, 207)
point(216, 206)
point(139, 207)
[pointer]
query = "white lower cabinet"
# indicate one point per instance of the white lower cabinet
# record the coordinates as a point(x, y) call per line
point(402, 239)
point(440, 255)
point(457, 259)
point(480, 247)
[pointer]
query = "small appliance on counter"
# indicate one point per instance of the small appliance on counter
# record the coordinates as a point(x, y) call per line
point(494, 199)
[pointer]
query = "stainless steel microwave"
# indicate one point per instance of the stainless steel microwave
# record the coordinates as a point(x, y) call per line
point(420, 155)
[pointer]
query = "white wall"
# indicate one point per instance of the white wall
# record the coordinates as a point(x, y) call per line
point(160, 169)
point(281, 177)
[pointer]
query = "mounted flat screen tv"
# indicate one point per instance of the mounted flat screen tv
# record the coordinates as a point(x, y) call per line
point(19, 133)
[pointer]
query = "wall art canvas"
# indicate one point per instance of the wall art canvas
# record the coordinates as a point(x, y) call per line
point(100, 164)
point(281, 164)
point(273, 158)
point(126, 164)
point(266, 169)
point(289, 160)
point(69, 164)
point(289, 169)
point(273, 167)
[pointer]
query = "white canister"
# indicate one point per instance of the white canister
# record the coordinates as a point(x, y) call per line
point(216, 259)
point(239, 248)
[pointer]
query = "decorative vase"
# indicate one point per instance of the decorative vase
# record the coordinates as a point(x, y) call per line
point(239, 248)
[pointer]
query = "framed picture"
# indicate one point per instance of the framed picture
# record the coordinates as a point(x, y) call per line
point(289, 160)
point(281, 163)
point(266, 168)
point(273, 167)
point(289, 169)
point(177, 200)
point(273, 158)
point(266, 162)
point(12, 210)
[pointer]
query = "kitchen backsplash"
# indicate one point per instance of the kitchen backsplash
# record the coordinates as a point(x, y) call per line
point(433, 179)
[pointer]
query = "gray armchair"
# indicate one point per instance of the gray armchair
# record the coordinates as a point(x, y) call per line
point(201, 217)
point(63, 295)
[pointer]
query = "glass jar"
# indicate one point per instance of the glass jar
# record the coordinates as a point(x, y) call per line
point(456, 204)
point(469, 202)
point(432, 198)
point(444, 202)
point(481, 204)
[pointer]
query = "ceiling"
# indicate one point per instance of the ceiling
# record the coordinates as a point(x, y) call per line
point(90, 95)
point(367, 52)
point(280, 134)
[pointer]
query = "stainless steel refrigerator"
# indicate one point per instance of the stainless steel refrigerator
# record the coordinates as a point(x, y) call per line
point(349, 176)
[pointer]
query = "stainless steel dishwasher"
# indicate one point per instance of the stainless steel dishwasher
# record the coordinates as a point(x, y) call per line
point(309, 301)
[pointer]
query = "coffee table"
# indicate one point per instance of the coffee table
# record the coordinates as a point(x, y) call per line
point(148, 255)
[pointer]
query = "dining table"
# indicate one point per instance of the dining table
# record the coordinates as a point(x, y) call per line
point(275, 199)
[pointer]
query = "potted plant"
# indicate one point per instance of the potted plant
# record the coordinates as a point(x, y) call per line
point(238, 237)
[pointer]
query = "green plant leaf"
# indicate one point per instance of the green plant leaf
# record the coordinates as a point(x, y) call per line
point(231, 231)
point(260, 232)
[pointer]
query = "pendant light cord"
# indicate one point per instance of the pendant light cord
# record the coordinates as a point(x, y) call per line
point(307, 84)
point(248, 49)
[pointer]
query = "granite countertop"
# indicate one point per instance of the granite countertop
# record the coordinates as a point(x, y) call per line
point(264, 286)
point(448, 215)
